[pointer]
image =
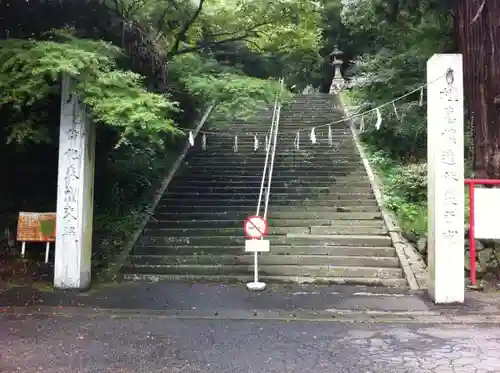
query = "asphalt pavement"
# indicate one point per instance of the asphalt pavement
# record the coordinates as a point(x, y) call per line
point(149, 344)
point(193, 328)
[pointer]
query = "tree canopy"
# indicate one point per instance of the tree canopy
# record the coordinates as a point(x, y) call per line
point(134, 63)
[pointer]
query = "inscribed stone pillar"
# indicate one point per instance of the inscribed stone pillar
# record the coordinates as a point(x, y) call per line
point(445, 185)
point(75, 192)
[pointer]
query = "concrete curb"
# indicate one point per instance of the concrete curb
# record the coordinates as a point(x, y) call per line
point(333, 315)
point(110, 272)
point(413, 265)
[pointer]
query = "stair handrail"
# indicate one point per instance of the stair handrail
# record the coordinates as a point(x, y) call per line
point(268, 148)
point(274, 142)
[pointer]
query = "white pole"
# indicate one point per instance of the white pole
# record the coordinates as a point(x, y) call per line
point(23, 249)
point(255, 267)
point(47, 251)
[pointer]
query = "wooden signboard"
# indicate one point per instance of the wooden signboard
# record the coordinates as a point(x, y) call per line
point(36, 227)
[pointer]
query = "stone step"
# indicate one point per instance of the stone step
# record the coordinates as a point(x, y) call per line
point(266, 259)
point(323, 157)
point(246, 138)
point(246, 143)
point(257, 178)
point(289, 193)
point(290, 207)
point(277, 217)
point(278, 174)
point(279, 171)
point(272, 270)
point(234, 202)
point(289, 176)
point(312, 190)
point(251, 184)
point(342, 144)
point(291, 239)
point(285, 147)
point(342, 141)
point(274, 222)
point(288, 123)
point(295, 166)
point(240, 279)
point(229, 165)
point(350, 251)
point(159, 230)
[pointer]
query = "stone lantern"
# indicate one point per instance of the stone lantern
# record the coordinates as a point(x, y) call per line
point(338, 82)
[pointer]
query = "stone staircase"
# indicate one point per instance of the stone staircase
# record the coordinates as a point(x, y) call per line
point(325, 224)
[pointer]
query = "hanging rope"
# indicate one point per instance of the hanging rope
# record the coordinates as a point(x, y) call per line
point(345, 119)
point(312, 135)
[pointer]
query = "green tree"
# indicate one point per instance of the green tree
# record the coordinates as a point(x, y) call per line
point(162, 33)
point(393, 41)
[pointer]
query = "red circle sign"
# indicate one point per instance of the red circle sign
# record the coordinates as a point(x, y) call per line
point(255, 227)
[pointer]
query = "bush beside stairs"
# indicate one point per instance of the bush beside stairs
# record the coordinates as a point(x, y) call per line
point(325, 224)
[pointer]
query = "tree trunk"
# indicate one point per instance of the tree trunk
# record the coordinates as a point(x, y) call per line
point(477, 25)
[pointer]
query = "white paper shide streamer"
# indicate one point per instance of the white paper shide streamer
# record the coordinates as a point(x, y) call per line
point(255, 143)
point(379, 118)
point(235, 147)
point(312, 136)
point(421, 102)
point(191, 138)
point(330, 137)
point(362, 124)
point(297, 140)
point(395, 110)
point(204, 142)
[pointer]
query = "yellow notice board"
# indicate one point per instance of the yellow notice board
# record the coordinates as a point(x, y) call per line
point(36, 227)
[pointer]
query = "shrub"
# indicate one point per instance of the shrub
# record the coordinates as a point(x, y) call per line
point(409, 183)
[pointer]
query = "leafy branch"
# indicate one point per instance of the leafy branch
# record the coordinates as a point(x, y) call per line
point(29, 71)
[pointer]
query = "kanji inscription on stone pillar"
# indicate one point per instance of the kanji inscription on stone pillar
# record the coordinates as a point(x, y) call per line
point(75, 186)
point(445, 146)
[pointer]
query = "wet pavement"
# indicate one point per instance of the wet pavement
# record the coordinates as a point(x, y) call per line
point(206, 299)
point(182, 300)
point(180, 327)
point(148, 344)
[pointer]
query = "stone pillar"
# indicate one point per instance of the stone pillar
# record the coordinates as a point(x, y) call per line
point(445, 147)
point(75, 192)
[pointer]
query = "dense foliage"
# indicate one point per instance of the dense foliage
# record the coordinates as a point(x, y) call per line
point(394, 40)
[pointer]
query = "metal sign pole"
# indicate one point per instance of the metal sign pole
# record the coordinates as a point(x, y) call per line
point(255, 229)
point(255, 270)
